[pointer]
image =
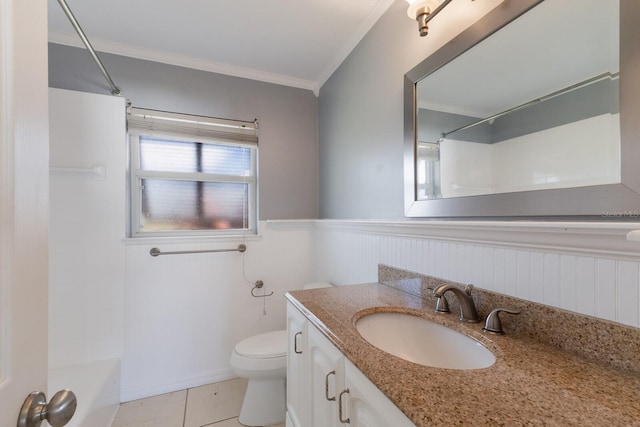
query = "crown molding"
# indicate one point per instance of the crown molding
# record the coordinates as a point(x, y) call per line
point(184, 61)
point(165, 57)
point(380, 8)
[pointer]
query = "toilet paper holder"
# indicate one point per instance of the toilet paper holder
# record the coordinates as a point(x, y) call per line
point(259, 284)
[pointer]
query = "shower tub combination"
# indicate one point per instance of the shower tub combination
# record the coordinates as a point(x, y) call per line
point(97, 388)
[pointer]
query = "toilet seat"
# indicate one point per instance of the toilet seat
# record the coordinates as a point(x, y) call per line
point(264, 346)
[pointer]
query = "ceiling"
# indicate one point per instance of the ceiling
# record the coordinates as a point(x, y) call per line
point(297, 43)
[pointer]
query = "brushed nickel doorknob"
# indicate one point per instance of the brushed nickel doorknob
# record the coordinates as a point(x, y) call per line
point(57, 412)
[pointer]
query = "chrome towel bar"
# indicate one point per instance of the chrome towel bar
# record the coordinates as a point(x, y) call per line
point(156, 251)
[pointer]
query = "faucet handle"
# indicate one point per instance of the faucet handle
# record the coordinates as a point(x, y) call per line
point(493, 324)
point(442, 305)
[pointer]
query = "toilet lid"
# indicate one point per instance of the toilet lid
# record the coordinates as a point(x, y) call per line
point(269, 344)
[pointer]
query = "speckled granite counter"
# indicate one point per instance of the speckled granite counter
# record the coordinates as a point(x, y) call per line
point(531, 383)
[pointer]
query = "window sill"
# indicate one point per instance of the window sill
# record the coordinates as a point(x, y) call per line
point(169, 240)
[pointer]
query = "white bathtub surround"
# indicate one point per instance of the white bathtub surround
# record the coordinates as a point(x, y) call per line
point(97, 388)
point(537, 161)
point(86, 270)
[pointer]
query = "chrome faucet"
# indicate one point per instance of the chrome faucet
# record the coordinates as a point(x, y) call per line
point(468, 311)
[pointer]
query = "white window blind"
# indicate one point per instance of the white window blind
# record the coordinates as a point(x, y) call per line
point(154, 122)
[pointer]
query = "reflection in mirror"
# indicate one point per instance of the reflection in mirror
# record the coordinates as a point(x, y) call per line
point(534, 106)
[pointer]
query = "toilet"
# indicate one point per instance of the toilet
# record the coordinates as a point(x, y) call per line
point(262, 359)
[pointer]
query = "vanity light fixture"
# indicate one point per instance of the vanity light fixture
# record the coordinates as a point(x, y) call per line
point(424, 11)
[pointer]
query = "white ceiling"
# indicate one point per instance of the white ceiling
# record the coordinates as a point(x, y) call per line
point(292, 42)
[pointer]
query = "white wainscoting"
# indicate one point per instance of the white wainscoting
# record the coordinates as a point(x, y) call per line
point(185, 313)
point(588, 268)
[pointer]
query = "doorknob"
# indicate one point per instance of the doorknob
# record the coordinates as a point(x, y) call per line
point(57, 412)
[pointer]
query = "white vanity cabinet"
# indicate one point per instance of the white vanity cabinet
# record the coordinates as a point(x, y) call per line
point(297, 369)
point(366, 406)
point(324, 389)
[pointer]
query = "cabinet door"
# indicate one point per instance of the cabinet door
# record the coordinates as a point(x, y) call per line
point(326, 371)
point(366, 406)
point(297, 368)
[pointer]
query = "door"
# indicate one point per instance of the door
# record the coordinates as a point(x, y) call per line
point(24, 177)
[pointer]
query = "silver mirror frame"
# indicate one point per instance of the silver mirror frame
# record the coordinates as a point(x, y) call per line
point(600, 202)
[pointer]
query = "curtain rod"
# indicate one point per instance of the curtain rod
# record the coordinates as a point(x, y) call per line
point(611, 76)
point(115, 90)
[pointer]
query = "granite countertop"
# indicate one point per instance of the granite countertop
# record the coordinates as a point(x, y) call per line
point(531, 383)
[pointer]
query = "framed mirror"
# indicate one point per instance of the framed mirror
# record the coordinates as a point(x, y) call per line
point(531, 112)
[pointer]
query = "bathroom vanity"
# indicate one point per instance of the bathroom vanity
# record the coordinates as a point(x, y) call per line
point(324, 388)
point(335, 377)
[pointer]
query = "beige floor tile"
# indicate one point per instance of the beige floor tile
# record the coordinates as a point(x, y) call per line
point(214, 402)
point(166, 410)
point(233, 422)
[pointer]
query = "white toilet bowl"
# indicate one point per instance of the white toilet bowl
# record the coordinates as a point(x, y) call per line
point(262, 359)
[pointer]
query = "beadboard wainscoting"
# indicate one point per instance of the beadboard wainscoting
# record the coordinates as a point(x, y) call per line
point(184, 313)
point(589, 268)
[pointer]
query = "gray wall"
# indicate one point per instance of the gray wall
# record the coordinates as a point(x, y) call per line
point(288, 168)
point(360, 120)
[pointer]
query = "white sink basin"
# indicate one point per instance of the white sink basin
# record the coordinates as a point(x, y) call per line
point(421, 341)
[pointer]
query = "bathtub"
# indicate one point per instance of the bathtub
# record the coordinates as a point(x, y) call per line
point(97, 388)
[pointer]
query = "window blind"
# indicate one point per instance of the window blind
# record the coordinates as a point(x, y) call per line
point(188, 126)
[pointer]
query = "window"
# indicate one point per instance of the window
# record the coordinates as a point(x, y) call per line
point(191, 175)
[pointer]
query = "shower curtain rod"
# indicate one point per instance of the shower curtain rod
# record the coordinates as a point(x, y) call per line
point(611, 76)
point(115, 90)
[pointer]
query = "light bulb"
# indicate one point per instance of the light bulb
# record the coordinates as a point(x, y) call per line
point(420, 10)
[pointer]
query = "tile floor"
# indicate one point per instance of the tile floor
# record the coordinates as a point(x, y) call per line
point(212, 405)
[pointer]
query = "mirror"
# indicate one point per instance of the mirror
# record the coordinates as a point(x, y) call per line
point(528, 113)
